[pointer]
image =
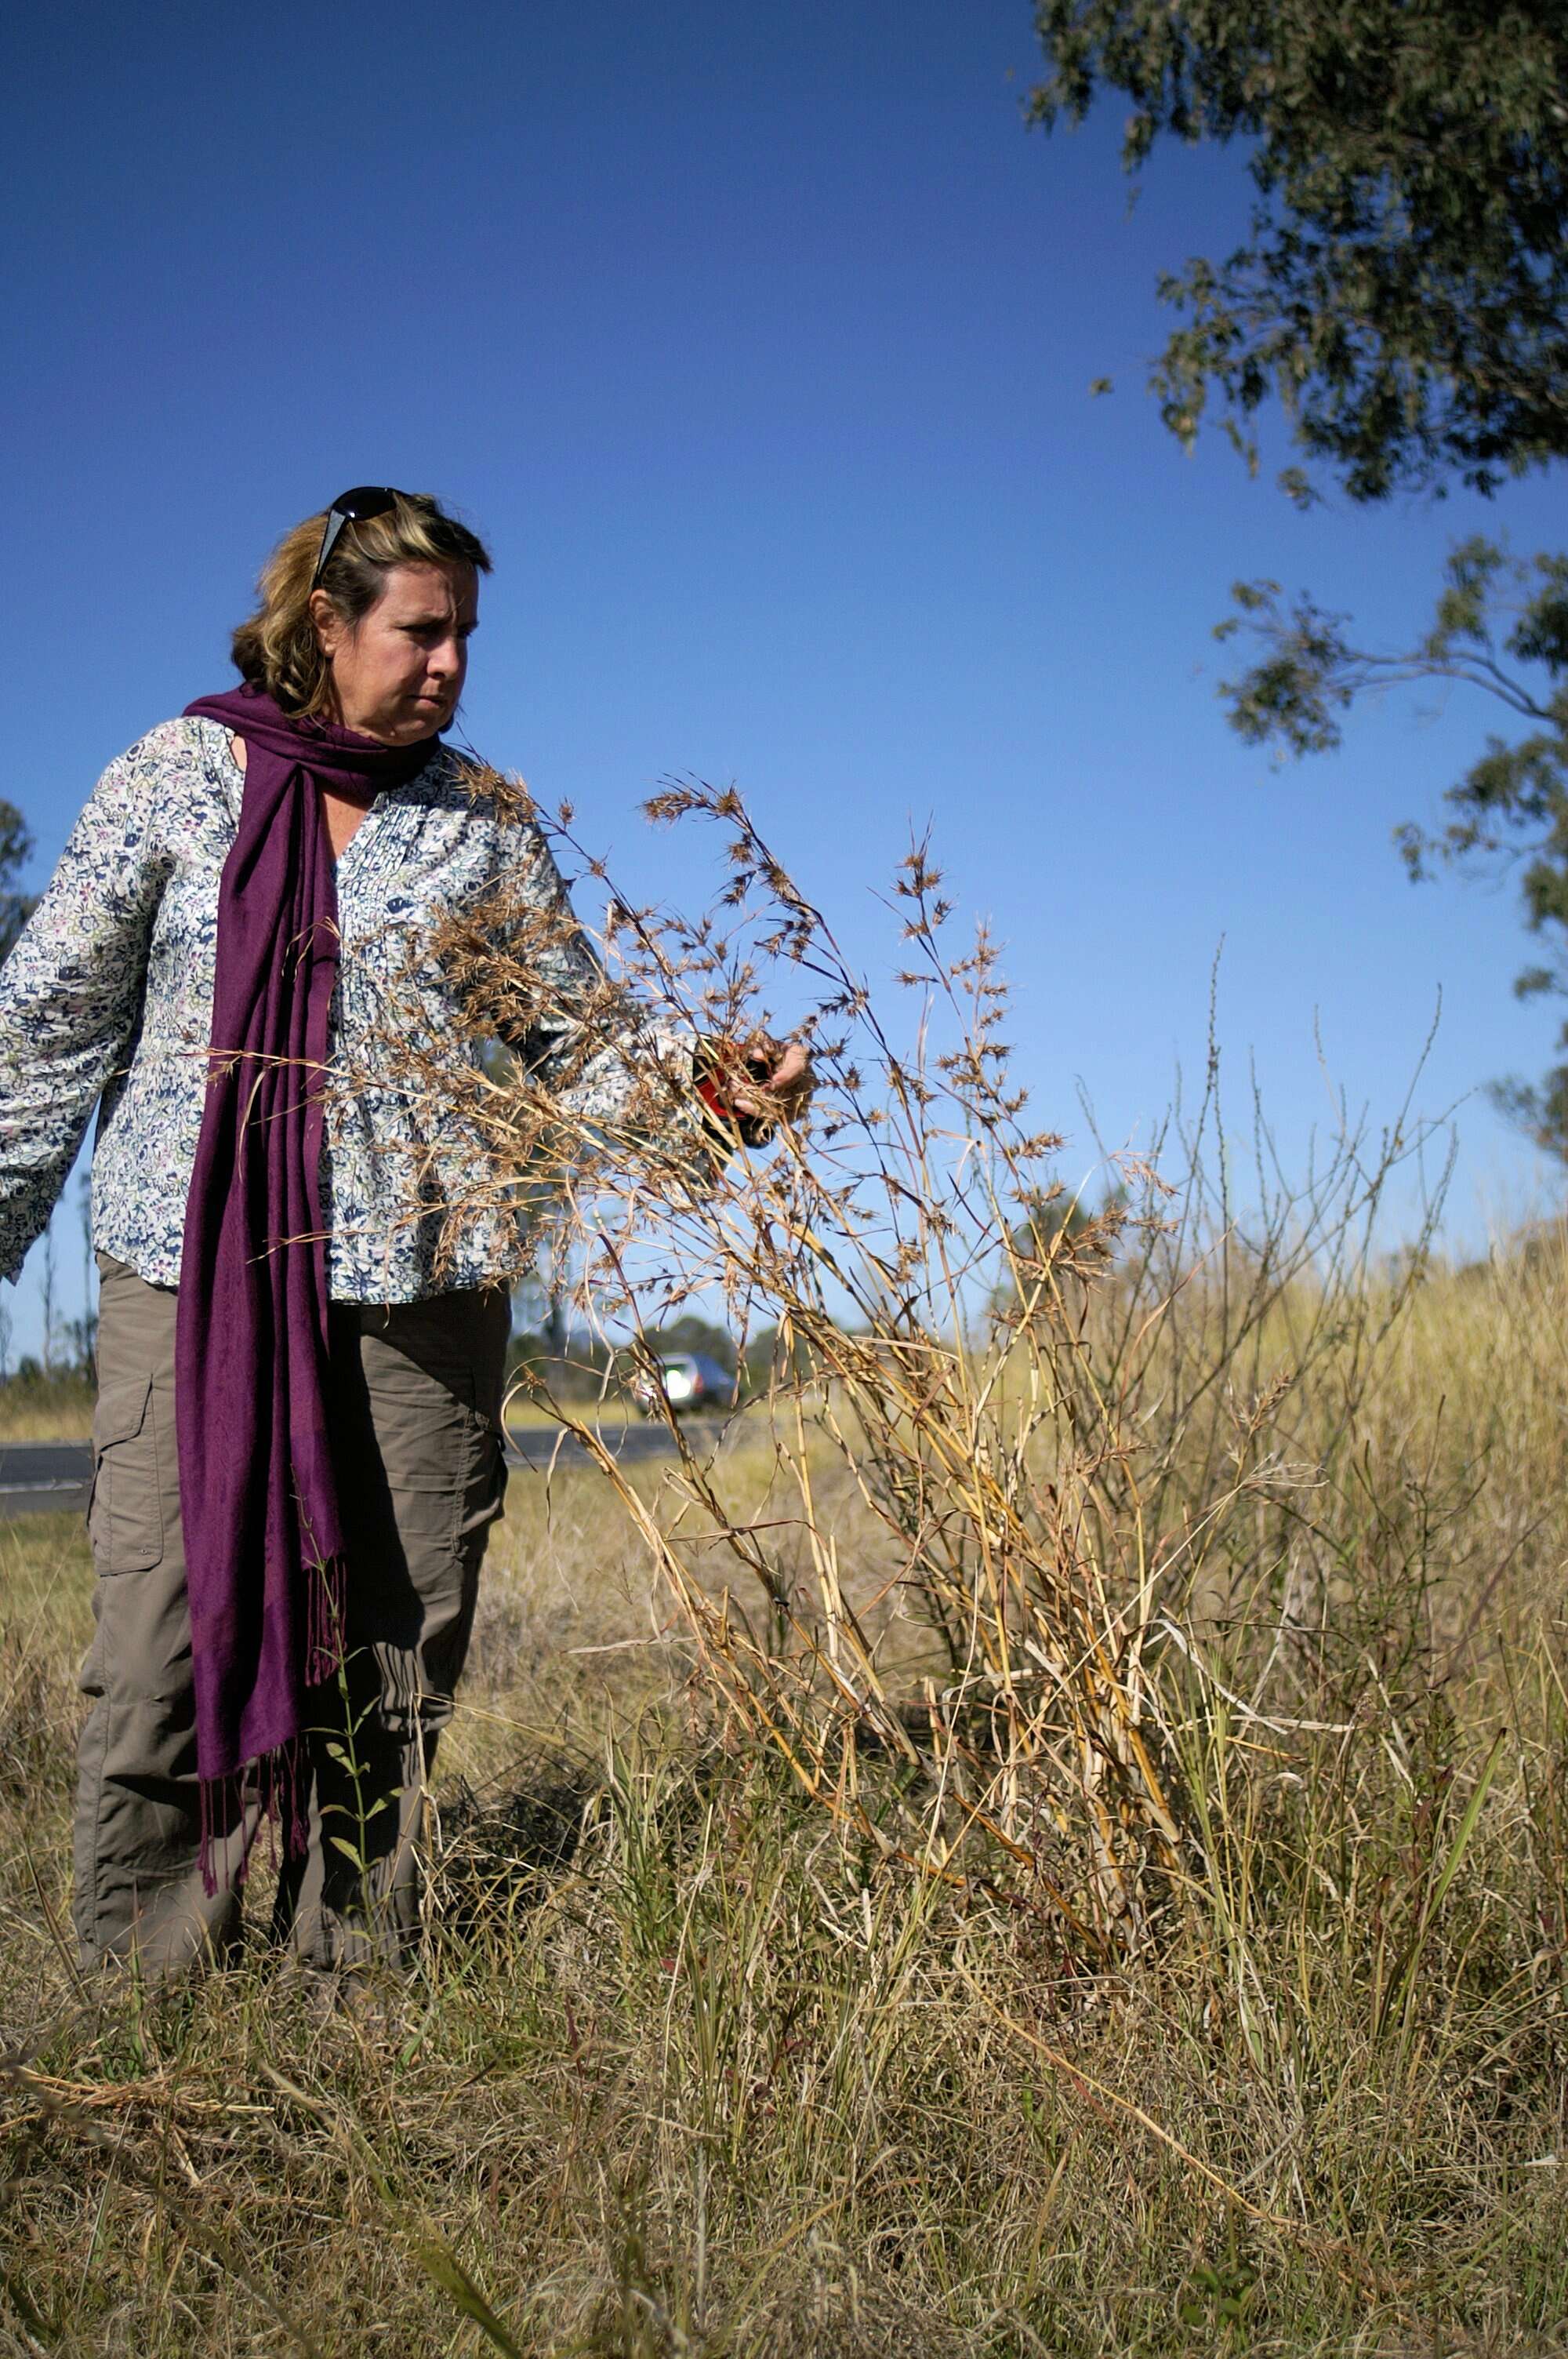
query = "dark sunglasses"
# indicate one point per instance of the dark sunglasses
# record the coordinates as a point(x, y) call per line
point(366, 500)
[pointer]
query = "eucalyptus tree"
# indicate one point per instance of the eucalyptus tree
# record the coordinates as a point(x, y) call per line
point(1401, 291)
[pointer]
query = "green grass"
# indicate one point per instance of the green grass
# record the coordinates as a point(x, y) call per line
point(686, 2073)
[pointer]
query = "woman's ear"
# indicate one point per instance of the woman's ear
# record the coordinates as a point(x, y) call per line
point(328, 623)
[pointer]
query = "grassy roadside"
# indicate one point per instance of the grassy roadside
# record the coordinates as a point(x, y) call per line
point(60, 1409)
point(685, 2071)
point(46, 1409)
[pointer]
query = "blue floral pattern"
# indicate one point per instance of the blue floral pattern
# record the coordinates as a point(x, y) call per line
point(106, 1002)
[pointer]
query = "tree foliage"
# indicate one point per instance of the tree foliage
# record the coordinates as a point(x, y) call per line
point(1501, 625)
point(1402, 286)
point(16, 851)
point(1403, 293)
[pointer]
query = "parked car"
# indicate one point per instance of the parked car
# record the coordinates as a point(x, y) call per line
point(690, 1381)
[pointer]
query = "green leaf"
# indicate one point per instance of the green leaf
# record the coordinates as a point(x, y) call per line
point(441, 2265)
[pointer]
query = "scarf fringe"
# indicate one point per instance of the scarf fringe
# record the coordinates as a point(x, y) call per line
point(326, 1603)
point(279, 1780)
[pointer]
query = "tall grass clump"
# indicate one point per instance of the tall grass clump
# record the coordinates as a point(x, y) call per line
point(1072, 1431)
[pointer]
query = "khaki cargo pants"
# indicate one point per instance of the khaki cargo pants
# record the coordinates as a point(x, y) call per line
point(415, 1413)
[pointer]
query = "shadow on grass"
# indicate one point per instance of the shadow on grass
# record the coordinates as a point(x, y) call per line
point(500, 1851)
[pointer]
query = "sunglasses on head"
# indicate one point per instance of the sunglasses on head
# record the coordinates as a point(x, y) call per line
point(366, 500)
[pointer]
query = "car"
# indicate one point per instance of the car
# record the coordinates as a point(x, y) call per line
point(690, 1381)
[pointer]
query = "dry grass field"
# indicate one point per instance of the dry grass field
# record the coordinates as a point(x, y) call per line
point(50, 1408)
point(691, 2067)
point(1055, 1841)
point(60, 1409)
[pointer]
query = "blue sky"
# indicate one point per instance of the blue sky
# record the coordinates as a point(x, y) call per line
point(758, 343)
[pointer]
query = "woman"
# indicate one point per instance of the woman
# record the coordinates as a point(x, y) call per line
point(297, 1450)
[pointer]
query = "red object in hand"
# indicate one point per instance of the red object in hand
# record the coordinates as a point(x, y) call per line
point(718, 1071)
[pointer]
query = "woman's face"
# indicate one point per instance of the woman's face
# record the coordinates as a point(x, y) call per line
point(398, 675)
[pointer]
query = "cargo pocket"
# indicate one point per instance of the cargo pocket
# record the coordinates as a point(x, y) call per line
point(124, 1515)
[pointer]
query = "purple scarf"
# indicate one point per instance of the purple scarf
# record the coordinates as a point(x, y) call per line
point(264, 1537)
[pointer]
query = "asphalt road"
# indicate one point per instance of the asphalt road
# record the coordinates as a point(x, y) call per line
point(37, 1477)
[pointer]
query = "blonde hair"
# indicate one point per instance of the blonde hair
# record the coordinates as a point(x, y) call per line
point(277, 648)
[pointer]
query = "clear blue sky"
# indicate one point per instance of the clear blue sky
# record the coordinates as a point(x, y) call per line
point(758, 343)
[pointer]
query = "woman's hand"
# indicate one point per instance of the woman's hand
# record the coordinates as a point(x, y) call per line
point(777, 1080)
point(749, 1086)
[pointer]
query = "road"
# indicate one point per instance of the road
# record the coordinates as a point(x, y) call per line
point(37, 1477)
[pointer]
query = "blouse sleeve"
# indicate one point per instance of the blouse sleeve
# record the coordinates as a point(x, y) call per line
point(70, 997)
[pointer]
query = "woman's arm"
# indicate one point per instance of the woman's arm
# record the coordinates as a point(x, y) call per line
point(70, 995)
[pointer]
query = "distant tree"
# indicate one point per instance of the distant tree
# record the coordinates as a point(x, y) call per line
point(766, 1357)
point(79, 1337)
point(539, 1306)
point(1402, 291)
point(46, 1290)
point(86, 1327)
point(690, 1333)
point(16, 851)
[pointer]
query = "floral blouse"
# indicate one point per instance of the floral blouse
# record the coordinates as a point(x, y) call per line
point(106, 1002)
